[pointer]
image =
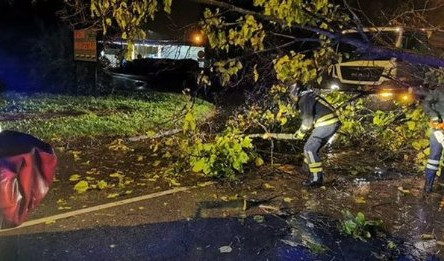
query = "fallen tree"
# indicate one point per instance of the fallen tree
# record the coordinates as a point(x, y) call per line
point(263, 46)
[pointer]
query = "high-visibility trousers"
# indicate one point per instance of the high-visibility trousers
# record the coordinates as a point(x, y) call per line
point(318, 139)
point(434, 164)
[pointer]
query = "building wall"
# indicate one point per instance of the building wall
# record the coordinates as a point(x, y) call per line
point(157, 51)
point(180, 52)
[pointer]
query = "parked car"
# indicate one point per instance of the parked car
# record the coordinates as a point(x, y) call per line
point(156, 74)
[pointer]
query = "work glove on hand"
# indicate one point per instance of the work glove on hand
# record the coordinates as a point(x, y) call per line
point(439, 135)
point(436, 119)
point(301, 135)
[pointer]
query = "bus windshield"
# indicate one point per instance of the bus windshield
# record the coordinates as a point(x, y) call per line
point(376, 38)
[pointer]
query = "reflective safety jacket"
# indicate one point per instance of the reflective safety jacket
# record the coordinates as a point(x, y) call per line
point(315, 111)
point(434, 105)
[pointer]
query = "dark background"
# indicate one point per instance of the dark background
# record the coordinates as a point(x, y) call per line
point(36, 47)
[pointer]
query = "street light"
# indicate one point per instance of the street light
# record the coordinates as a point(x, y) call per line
point(197, 38)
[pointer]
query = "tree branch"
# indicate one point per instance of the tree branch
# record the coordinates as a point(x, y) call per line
point(361, 46)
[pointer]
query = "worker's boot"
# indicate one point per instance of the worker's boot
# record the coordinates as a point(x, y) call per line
point(428, 186)
point(316, 180)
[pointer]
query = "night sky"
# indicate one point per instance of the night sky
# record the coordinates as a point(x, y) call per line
point(22, 21)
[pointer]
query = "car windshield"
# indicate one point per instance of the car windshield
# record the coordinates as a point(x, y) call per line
point(379, 38)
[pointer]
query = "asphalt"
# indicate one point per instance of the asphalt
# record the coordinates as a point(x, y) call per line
point(185, 228)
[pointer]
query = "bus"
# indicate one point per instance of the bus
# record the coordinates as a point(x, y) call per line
point(361, 71)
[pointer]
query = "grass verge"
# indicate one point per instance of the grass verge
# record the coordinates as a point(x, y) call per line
point(50, 116)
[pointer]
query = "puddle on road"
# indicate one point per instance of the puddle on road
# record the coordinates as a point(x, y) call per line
point(321, 234)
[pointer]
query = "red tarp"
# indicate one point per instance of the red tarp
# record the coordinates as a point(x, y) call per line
point(27, 169)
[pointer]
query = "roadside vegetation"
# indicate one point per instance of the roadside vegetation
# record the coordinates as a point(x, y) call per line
point(56, 117)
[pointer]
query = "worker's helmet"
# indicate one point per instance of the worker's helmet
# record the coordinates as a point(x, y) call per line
point(296, 90)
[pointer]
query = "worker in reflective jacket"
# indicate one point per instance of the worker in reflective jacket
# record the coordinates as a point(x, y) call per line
point(319, 115)
point(434, 106)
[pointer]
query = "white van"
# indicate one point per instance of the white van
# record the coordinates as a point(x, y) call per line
point(366, 72)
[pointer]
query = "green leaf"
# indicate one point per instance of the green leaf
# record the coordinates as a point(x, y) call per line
point(81, 186)
point(411, 125)
point(259, 161)
point(199, 165)
point(246, 143)
point(167, 6)
point(113, 195)
point(74, 177)
point(255, 73)
point(102, 184)
point(360, 218)
point(174, 182)
point(350, 227)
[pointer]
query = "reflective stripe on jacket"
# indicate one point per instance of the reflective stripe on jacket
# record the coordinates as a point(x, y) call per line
point(315, 111)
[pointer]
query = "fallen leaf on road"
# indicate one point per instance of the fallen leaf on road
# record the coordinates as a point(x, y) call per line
point(259, 219)
point(74, 177)
point(391, 245)
point(76, 155)
point(234, 197)
point(288, 200)
point(268, 186)
point(116, 175)
point(81, 186)
point(441, 204)
point(102, 184)
point(113, 195)
point(360, 200)
point(405, 191)
point(427, 237)
point(287, 168)
point(174, 182)
point(225, 249)
point(259, 162)
point(118, 145)
point(61, 201)
point(92, 171)
point(156, 163)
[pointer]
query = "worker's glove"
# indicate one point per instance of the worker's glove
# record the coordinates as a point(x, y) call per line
point(436, 120)
point(439, 135)
point(300, 135)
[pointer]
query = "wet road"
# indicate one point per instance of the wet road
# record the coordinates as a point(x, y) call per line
point(188, 226)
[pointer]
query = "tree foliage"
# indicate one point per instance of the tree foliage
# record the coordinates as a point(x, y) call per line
point(265, 45)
